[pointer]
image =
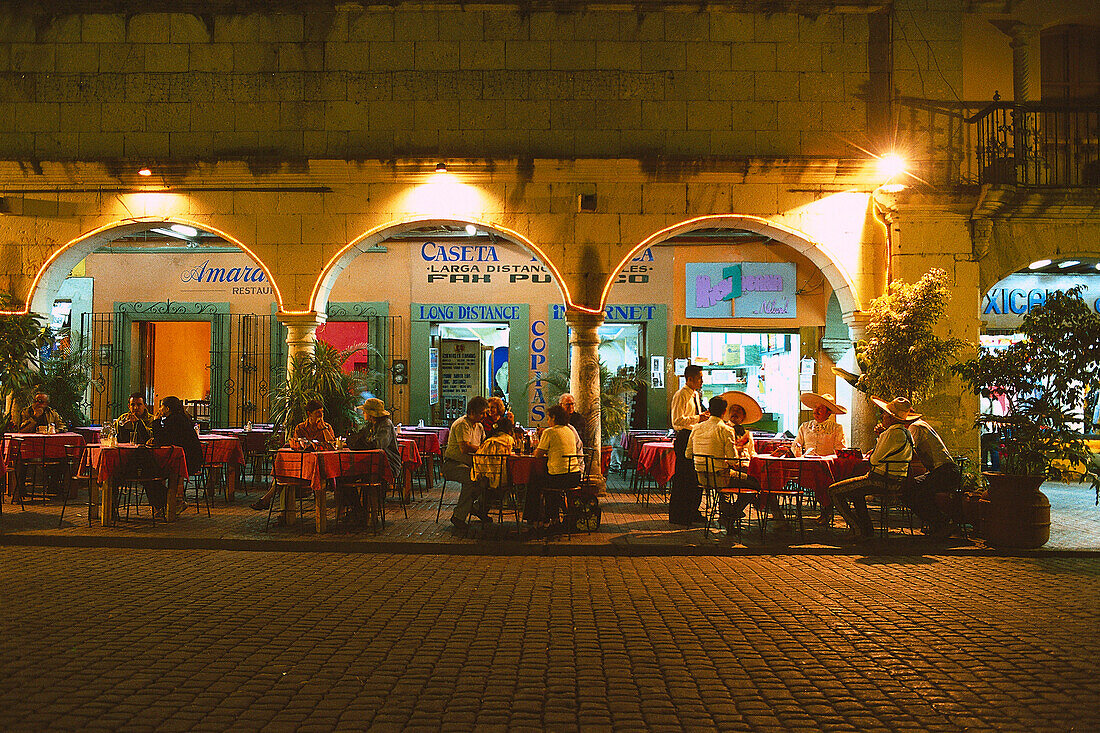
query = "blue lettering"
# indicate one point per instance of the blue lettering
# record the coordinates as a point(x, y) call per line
point(1017, 309)
point(538, 413)
point(1036, 299)
point(215, 274)
point(991, 304)
point(537, 360)
point(557, 311)
point(646, 255)
point(535, 325)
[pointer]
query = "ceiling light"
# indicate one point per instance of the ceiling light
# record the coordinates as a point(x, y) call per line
point(1098, 265)
point(891, 165)
point(471, 229)
point(892, 187)
point(440, 167)
point(1037, 264)
point(1068, 263)
point(185, 230)
point(145, 172)
point(171, 233)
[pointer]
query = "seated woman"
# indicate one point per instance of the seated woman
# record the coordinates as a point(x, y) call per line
point(559, 443)
point(822, 436)
point(378, 434)
point(174, 426)
point(313, 432)
point(490, 473)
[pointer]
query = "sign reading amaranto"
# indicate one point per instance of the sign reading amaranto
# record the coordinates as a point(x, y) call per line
point(205, 273)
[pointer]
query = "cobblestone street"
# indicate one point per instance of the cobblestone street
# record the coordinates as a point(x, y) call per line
point(204, 640)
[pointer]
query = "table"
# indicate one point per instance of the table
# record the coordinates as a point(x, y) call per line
point(410, 461)
point(321, 469)
point(770, 445)
point(106, 462)
point(252, 441)
point(817, 473)
point(441, 433)
point(35, 445)
point(658, 460)
point(223, 449)
point(90, 433)
point(427, 442)
point(520, 467)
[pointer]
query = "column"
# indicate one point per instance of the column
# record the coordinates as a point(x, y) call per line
point(584, 378)
point(301, 333)
point(864, 411)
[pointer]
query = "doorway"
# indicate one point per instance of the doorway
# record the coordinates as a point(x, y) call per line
point(175, 360)
point(469, 360)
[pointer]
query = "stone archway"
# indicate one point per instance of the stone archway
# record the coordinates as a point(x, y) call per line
point(54, 271)
point(838, 278)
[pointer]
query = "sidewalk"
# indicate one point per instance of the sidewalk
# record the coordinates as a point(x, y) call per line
point(628, 527)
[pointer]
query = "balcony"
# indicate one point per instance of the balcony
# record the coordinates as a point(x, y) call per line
point(1034, 144)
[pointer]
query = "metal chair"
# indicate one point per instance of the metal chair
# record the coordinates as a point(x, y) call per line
point(34, 469)
point(711, 479)
point(886, 487)
point(787, 476)
point(139, 470)
point(294, 481)
point(363, 476)
point(74, 455)
point(499, 492)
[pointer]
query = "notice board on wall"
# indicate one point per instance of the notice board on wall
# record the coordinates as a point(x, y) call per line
point(460, 375)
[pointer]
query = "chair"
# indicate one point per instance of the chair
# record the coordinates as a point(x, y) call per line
point(291, 479)
point(578, 508)
point(34, 469)
point(202, 480)
point(493, 470)
point(786, 476)
point(73, 455)
point(886, 486)
point(363, 475)
point(138, 471)
point(210, 471)
point(711, 480)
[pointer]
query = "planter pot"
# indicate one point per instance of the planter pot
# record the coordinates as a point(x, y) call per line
point(1014, 512)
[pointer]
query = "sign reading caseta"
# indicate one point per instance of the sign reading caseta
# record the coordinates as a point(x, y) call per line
point(477, 263)
point(740, 290)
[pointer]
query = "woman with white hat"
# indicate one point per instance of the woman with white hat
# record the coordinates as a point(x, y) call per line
point(378, 433)
point(822, 436)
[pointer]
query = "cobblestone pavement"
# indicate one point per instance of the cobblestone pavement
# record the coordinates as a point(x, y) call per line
point(190, 640)
point(627, 522)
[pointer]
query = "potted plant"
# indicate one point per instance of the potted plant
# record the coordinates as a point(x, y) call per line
point(1043, 379)
point(321, 376)
point(901, 355)
point(21, 339)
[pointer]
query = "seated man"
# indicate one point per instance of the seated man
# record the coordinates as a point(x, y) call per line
point(40, 415)
point(313, 432)
point(943, 475)
point(718, 439)
point(462, 442)
point(135, 426)
point(889, 467)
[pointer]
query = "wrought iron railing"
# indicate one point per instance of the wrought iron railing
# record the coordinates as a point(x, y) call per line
point(1053, 144)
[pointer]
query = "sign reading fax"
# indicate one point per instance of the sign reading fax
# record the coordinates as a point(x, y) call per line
point(740, 290)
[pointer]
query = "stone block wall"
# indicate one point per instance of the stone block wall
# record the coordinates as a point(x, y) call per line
point(417, 80)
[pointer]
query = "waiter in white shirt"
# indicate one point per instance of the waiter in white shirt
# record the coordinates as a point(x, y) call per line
point(687, 412)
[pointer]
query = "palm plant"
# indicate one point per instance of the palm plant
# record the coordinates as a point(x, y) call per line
point(615, 393)
point(21, 339)
point(63, 375)
point(321, 376)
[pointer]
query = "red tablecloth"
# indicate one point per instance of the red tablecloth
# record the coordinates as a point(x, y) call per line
point(221, 449)
point(441, 433)
point(426, 441)
point(318, 467)
point(817, 473)
point(410, 451)
point(90, 433)
point(770, 445)
point(251, 441)
point(39, 446)
point(519, 468)
point(658, 460)
point(105, 461)
point(637, 437)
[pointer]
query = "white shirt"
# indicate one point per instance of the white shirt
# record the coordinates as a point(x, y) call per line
point(819, 438)
point(928, 446)
point(559, 441)
point(687, 405)
point(463, 430)
point(895, 445)
point(715, 437)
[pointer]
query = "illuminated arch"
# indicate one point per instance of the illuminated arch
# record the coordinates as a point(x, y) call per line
point(339, 261)
point(60, 263)
point(838, 278)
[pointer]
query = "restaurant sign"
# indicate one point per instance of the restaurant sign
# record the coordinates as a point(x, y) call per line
point(740, 290)
point(1007, 302)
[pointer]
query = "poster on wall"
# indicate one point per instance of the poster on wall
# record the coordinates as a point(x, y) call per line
point(433, 376)
point(459, 375)
point(740, 290)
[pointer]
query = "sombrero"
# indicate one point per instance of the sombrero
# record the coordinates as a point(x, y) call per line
point(812, 400)
point(899, 408)
point(748, 404)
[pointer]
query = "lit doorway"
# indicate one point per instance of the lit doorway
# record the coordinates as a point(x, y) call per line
point(175, 360)
point(466, 360)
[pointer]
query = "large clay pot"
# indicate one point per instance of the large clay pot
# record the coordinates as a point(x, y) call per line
point(1015, 513)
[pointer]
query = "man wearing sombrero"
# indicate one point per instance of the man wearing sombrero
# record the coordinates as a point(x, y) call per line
point(822, 436)
point(889, 466)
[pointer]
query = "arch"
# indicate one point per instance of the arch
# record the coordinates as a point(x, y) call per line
point(838, 278)
point(339, 261)
point(60, 263)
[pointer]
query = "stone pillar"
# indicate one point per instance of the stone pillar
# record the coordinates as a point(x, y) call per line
point(864, 411)
point(301, 333)
point(584, 378)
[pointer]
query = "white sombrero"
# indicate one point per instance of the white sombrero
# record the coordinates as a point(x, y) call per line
point(752, 409)
point(900, 408)
point(812, 400)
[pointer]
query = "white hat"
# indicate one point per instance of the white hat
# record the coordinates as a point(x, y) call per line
point(900, 408)
point(812, 400)
point(753, 411)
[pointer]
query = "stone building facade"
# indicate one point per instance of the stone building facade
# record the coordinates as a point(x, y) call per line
point(308, 135)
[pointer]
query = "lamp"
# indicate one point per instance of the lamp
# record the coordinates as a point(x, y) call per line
point(440, 167)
